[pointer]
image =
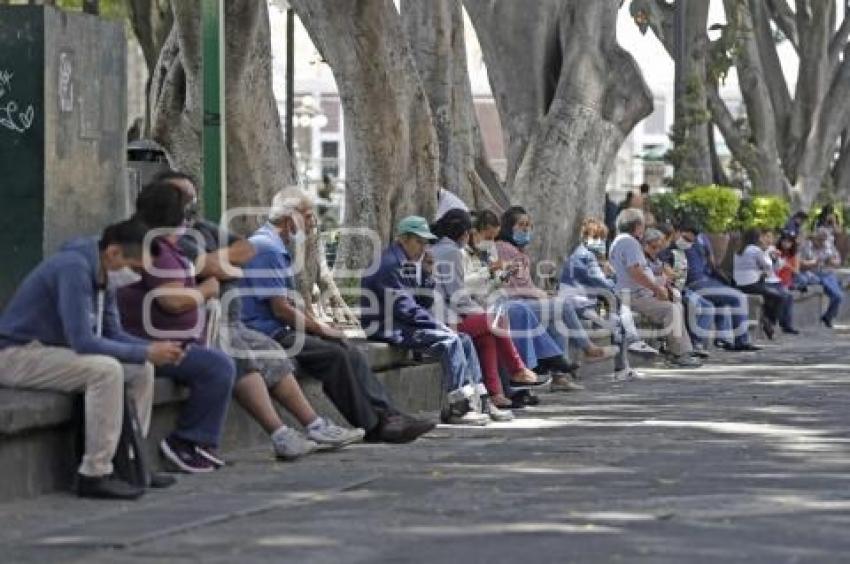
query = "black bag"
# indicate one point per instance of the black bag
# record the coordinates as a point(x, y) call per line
point(130, 462)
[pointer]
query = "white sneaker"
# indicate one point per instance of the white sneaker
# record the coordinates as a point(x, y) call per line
point(470, 418)
point(641, 347)
point(627, 374)
point(497, 414)
point(289, 444)
point(334, 436)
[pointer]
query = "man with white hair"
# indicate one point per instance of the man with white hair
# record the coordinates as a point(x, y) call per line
point(270, 305)
point(639, 289)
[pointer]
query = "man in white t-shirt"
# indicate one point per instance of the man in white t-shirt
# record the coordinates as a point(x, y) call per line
point(639, 289)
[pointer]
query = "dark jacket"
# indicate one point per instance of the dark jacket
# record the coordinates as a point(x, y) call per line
point(401, 302)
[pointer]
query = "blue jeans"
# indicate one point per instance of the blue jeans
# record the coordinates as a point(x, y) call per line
point(832, 289)
point(561, 321)
point(700, 314)
point(209, 375)
point(730, 316)
point(531, 340)
point(456, 353)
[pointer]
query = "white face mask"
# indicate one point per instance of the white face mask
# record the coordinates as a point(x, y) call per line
point(126, 276)
point(299, 238)
point(683, 244)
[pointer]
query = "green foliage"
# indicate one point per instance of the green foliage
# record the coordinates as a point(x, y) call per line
point(666, 208)
point(766, 212)
point(714, 208)
point(110, 9)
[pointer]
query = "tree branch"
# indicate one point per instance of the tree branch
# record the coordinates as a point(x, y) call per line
point(782, 14)
point(839, 40)
point(743, 151)
point(774, 78)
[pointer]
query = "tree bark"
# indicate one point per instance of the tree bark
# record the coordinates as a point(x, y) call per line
point(436, 33)
point(257, 161)
point(151, 21)
point(694, 166)
point(568, 95)
point(391, 145)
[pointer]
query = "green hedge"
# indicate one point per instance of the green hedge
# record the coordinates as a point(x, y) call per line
point(766, 212)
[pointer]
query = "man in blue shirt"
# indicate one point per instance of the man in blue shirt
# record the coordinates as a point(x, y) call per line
point(270, 306)
point(61, 332)
point(731, 315)
point(395, 304)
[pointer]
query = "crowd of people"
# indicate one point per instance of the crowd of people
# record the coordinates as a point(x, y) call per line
point(168, 294)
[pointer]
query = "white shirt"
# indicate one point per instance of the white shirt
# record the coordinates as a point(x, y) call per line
point(448, 201)
point(749, 266)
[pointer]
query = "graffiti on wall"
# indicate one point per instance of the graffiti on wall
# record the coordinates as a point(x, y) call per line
point(13, 116)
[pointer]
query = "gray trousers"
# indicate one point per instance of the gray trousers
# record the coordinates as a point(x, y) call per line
point(100, 378)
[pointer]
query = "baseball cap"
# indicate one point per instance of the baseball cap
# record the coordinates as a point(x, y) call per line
point(416, 225)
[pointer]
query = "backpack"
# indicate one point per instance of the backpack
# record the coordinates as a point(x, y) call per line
point(131, 462)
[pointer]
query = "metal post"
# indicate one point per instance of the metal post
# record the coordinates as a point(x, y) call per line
point(214, 156)
point(290, 78)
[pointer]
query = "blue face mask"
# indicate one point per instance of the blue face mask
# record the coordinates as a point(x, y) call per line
point(522, 238)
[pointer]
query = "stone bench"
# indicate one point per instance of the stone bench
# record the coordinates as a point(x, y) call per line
point(39, 431)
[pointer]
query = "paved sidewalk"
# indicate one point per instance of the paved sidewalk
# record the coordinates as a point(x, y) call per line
point(747, 459)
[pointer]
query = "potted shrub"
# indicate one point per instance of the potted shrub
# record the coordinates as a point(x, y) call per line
point(714, 209)
point(766, 212)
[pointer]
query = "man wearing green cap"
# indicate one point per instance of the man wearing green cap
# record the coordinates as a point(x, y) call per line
point(403, 291)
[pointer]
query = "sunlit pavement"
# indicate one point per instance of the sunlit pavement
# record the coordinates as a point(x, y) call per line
point(746, 459)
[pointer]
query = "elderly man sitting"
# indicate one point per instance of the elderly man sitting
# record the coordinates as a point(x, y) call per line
point(639, 289)
point(269, 305)
point(819, 258)
point(395, 308)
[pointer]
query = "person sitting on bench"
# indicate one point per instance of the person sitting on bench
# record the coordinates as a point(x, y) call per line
point(61, 332)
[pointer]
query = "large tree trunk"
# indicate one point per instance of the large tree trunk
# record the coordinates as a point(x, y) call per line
point(436, 33)
point(257, 160)
point(390, 142)
point(692, 130)
point(568, 95)
point(841, 173)
point(691, 127)
point(151, 21)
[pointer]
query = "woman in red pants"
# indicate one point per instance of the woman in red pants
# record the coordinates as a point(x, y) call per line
point(489, 333)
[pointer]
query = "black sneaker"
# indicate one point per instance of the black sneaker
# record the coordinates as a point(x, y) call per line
point(826, 321)
point(556, 364)
point(399, 428)
point(745, 347)
point(212, 455)
point(184, 456)
point(161, 480)
point(106, 487)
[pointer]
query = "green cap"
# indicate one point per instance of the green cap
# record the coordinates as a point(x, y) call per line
point(417, 226)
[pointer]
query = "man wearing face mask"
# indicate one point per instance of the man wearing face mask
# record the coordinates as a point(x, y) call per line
point(639, 289)
point(61, 332)
point(731, 315)
point(270, 306)
point(403, 288)
point(583, 277)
